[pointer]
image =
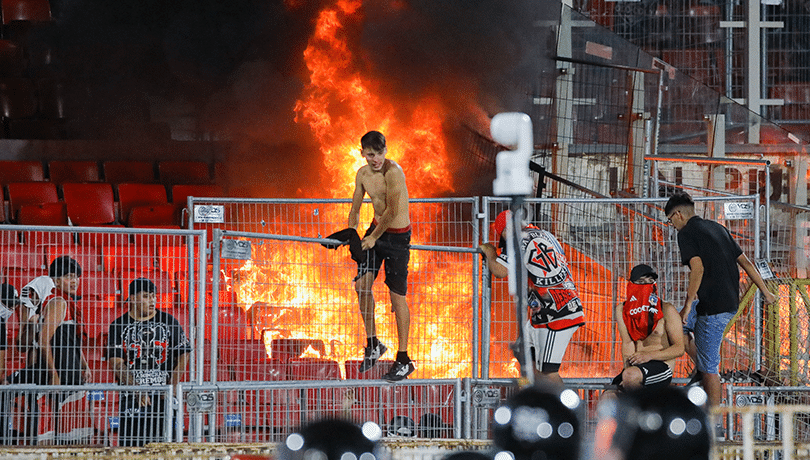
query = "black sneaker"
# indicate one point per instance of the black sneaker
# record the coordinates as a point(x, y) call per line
point(399, 371)
point(371, 355)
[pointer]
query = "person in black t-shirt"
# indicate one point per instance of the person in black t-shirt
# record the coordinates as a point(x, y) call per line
point(146, 347)
point(713, 258)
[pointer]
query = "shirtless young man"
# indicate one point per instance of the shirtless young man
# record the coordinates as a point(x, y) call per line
point(651, 333)
point(387, 239)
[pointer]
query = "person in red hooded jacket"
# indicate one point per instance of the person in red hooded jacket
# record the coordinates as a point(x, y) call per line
point(651, 333)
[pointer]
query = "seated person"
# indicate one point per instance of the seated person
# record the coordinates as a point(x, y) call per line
point(651, 333)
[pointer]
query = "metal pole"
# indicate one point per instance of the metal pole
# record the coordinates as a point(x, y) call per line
point(518, 272)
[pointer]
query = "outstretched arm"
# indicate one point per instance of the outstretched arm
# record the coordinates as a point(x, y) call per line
point(753, 273)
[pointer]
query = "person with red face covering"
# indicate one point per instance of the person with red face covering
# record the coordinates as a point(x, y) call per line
point(651, 333)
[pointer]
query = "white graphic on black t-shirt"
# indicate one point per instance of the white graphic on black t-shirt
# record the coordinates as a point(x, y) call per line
point(147, 351)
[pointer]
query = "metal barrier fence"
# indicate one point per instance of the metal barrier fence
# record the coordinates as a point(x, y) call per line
point(73, 283)
point(283, 321)
point(269, 411)
point(603, 239)
point(766, 421)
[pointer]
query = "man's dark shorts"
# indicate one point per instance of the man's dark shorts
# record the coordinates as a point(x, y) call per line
point(656, 374)
point(393, 248)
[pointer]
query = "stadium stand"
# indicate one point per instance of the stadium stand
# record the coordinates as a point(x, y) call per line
point(43, 214)
point(17, 101)
point(89, 204)
point(133, 196)
point(11, 59)
point(137, 172)
point(21, 171)
point(127, 258)
point(184, 172)
point(61, 172)
point(26, 10)
point(29, 193)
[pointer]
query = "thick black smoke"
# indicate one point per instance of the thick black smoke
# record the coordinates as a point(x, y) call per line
point(237, 66)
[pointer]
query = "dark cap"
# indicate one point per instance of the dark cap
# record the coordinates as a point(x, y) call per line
point(642, 270)
point(64, 265)
point(141, 285)
point(9, 295)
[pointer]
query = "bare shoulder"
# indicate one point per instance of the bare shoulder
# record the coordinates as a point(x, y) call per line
point(670, 311)
point(363, 171)
point(392, 167)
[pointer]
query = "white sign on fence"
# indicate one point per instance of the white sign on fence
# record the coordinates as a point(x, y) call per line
point(209, 214)
point(236, 249)
point(738, 210)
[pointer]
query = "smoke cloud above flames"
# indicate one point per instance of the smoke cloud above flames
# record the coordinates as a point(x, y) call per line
point(238, 67)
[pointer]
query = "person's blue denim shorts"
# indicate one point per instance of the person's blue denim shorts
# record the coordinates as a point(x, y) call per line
point(708, 338)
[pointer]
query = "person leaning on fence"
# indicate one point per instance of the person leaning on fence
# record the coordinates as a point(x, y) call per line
point(25, 426)
point(146, 347)
point(387, 239)
point(55, 354)
point(555, 310)
point(713, 258)
point(651, 333)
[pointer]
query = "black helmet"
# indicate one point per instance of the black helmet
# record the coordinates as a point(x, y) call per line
point(654, 424)
point(467, 455)
point(331, 439)
point(403, 426)
point(538, 423)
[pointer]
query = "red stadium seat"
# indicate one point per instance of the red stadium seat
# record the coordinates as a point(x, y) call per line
point(30, 193)
point(131, 196)
point(89, 204)
point(43, 214)
point(313, 369)
point(164, 284)
point(88, 257)
point(53, 98)
point(103, 240)
point(134, 172)
point(11, 59)
point(158, 216)
point(184, 172)
point(21, 171)
point(26, 10)
point(22, 256)
point(61, 172)
point(375, 373)
point(120, 259)
point(95, 318)
point(17, 100)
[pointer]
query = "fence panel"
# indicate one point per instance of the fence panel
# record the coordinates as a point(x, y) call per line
point(91, 269)
point(247, 412)
point(83, 415)
point(603, 240)
point(295, 305)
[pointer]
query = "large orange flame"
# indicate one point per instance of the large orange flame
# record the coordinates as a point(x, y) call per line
point(340, 103)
